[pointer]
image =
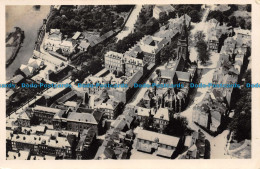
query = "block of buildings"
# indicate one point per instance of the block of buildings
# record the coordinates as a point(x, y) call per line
point(158, 10)
point(45, 114)
point(75, 121)
point(152, 142)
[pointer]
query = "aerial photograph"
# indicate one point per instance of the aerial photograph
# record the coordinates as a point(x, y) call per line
point(97, 82)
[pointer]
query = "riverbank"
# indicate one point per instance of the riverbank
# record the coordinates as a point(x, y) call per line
point(13, 42)
point(29, 20)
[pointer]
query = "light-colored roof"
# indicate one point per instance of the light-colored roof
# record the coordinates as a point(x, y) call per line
point(164, 152)
point(164, 8)
point(22, 155)
point(24, 116)
point(183, 76)
point(110, 104)
point(76, 36)
point(84, 44)
point(36, 140)
point(162, 113)
point(66, 43)
point(143, 111)
point(163, 139)
point(82, 117)
point(17, 78)
point(71, 104)
point(188, 141)
point(9, 93)
point(46, 109)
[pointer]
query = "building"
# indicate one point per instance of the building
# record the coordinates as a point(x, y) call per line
point(161, 119)
point(74, 121)
point(53, 40)
point(210, 113)
point(195, 145)
point(143, 113)
point(115, 62)
point(152, 142)
point(151, 47)
point(36, 63)
point(68, 46)
point(45, 114)
point(16, 79)
point(110, 108)
point(83, 46)
point(84, 147)
point(27, 70)
point(159, 10)
point(134, 65)
point(24, 120)
point(21, 155)
point(41, 144)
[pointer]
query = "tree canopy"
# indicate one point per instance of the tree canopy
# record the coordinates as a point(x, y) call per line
point(203, 52)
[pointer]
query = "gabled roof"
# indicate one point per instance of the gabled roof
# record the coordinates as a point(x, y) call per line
point(17, 79)
point(162, 113)
point(82, 118)
point(24, 116)
point(76, 36)
point(84, 44)
point(46, 109)
point(183, 76)
point(104, 153)
point(164, 8)
point(162, 138)
point(143, 111)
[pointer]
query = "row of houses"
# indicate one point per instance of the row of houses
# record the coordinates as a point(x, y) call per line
point(214, 108)
point(119, 138)
point(81, 41)
point(33, 66)
point(41, 143)
point(62, 119)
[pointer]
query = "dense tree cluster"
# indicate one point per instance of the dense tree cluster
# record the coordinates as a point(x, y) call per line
point(227, 17)
point(145, 22)
point(102, 18)
point(194, 11)
point(127, 42)
point(202, 49)
point(94, 66)
point(169, 51)
point(177, 127)
point(241, 122)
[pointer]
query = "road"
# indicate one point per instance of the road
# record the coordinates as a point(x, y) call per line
point(218, 143)
point(129, 26)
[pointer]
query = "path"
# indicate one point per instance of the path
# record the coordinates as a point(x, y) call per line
point(129, 26)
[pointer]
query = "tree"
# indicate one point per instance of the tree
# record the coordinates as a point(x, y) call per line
point(199, 36)
point(241, 122)
point(248, 8)
point(177, 127)
point(233, 21)
point(158, 72)
point(203, 52)
point(163, 18)
point(120, 21)
point(165, 54)
point(242, 23)
point(195, 17)
point(152, 26)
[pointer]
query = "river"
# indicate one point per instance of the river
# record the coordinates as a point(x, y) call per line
point(29, 20)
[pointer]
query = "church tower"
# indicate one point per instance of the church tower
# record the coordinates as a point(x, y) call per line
point(182, 50)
